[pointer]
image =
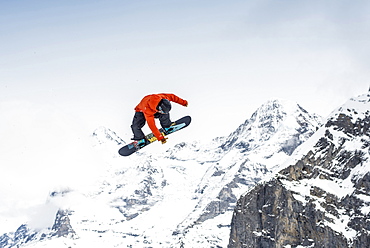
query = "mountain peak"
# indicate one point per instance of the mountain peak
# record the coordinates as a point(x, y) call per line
point(322, 193)
point(278, 103)
point(276, 116)
point(278, 108)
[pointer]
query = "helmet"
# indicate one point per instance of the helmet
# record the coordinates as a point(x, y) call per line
point(164, 106)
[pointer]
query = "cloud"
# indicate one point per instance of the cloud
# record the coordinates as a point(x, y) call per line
point(43, 150)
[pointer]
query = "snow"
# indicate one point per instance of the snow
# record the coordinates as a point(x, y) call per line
point(44, 151)
point(300, 246)
point(302, 189)
point(213, 232)
point(173, 187)
point(365, 210)
point(337, 188)
point(359, 108)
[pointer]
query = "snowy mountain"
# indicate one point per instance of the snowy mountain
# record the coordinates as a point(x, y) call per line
point(183, 197)
point(104, 135)
point(321, 197)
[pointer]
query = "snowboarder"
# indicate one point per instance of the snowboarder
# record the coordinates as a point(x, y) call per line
point(154, 106)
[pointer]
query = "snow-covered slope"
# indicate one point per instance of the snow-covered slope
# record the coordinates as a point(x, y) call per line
point(251, 153)
point(183, 197)
point(321, 198)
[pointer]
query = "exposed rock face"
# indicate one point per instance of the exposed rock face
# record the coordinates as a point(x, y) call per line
point(21, 236)
point(5, 240)
point(323, 200)
point(277, 128)
point(62, 226)
point(272, 217)
point(24, 236)
point(139, 198)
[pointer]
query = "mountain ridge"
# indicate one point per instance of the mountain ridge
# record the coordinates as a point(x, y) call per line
point(191, 189)
point(321, 197)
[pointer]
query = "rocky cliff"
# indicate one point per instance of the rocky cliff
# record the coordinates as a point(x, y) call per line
point(322, 196)
point(183, 197)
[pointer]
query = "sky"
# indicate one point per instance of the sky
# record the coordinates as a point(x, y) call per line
point(97, 59)
point(77, 65)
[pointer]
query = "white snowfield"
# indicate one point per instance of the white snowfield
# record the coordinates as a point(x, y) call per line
point(173, 198)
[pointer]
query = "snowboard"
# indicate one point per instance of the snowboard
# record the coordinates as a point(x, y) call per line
point(133, 147)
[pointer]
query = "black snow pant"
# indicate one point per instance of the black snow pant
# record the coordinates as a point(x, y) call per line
point(139, 121)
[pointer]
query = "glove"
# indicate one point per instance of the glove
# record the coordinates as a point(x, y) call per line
point(164, 140)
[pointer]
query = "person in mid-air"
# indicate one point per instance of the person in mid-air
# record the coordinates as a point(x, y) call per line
point(154, 106)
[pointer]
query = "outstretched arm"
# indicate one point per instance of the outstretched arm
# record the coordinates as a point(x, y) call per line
point(176, 99)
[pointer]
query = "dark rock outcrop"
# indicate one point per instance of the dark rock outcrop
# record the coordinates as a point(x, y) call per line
point(62, 226)
point(323, 200)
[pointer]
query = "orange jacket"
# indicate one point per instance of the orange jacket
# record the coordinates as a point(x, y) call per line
point(148, 106)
